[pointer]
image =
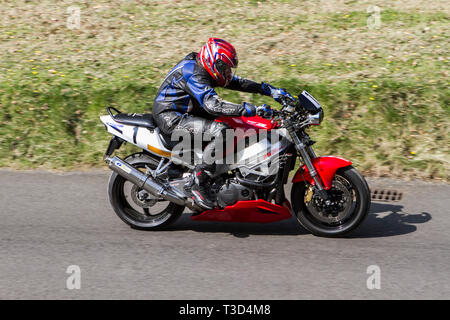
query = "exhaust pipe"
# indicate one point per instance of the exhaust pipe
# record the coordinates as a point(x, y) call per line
point(144, 181)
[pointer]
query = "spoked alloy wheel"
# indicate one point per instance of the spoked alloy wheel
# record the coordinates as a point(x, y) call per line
point(137, 207)
point(348, 206)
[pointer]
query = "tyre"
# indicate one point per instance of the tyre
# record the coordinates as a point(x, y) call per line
point(135, 206)
point(350, 203)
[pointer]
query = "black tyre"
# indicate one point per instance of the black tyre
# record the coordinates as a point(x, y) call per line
point(350, 196)
point(150, 213)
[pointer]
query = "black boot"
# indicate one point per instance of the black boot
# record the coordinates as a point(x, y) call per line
point(201, 190)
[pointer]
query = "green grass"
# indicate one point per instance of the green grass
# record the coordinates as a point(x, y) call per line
point(384, 91)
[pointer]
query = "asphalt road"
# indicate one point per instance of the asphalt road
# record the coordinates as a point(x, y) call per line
point(50, 221)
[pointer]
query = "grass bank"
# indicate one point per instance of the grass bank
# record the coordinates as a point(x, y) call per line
point(385, 90)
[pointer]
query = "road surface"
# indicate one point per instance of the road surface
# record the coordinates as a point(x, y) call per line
point(50, 221)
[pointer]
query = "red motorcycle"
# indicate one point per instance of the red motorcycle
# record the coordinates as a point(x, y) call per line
point(150, 190)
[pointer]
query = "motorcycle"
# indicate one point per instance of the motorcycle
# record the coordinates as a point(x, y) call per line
point(150, 190)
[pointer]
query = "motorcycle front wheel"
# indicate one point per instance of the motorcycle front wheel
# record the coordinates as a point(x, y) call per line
point(348, 207)
point(135, 206)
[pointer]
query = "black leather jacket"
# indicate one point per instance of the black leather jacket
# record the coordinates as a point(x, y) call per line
point(188, 88)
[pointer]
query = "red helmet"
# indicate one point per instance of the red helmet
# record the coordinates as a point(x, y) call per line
point(219, 57)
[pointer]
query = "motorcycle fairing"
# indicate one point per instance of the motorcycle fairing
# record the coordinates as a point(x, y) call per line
point(259, 211)
point(139, 136)
point(245, 123)
point(326, 168)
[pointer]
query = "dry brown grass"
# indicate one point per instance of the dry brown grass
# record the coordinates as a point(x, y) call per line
point(264, 33)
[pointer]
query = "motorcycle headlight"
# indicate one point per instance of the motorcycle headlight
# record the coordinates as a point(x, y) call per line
point(316, 119)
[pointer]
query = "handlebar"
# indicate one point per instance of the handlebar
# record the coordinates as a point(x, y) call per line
point(297, 113)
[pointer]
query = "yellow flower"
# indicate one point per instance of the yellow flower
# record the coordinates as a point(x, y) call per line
point(374, 86)
point(293, 65)
point(372, 98)
point(125, 76)
point(62, 75)
point(389, 61)
point(412, 152)
point(34, 72)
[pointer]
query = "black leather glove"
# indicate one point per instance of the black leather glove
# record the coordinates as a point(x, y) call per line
point(264, 111)
point(276, 93)
point(249, 110)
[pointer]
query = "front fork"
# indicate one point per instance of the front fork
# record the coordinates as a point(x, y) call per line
point(307, 154)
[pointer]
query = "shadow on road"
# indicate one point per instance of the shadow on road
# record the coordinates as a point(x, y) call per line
point(288, 227)
point(383, 220)
point(386, 220)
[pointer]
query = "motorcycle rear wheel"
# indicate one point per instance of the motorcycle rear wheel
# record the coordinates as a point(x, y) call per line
point(351, 196)
point(140, 214)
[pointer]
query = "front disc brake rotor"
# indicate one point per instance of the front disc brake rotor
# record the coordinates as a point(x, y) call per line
point(341, 202)
point(142, 198)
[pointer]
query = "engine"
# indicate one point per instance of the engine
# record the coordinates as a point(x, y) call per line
point(232, 192)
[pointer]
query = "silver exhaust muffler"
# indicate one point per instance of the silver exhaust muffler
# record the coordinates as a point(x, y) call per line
point(144, 181)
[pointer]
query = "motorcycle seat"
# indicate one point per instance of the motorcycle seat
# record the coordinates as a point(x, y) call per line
point(136, 119)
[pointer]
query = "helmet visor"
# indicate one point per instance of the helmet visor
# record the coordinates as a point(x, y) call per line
point(226, 71)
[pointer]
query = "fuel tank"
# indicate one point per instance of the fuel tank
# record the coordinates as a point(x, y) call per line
point(245, 123)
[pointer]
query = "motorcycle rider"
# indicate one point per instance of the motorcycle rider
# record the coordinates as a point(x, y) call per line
point(187, 101)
